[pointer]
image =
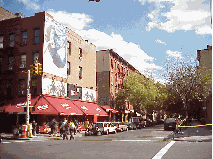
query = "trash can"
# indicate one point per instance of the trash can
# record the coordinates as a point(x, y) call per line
point(30, 128)
point(24, 131)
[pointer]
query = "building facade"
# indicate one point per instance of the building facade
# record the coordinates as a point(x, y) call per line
point(68, 61)
point(111, 72)
point(205, 60)
point(5, 14)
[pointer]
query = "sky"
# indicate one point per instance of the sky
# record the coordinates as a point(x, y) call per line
point(146, 33)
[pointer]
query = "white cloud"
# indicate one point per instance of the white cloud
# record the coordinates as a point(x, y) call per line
point(31, 4)
point(75, 21)
point(174, 54)
point(159, 41)
point(131, 52)
point(183, 15)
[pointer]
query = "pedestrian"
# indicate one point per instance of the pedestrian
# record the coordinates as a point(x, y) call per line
point(86, 124)
point(52, 126)
point(71, 128)
point(34, 125)
point(64, 128)
point(61, 131)
point(76, 126)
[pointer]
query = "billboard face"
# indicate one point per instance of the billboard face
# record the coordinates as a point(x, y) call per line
point(54, 87)
point(88, 95)
point(55, 48)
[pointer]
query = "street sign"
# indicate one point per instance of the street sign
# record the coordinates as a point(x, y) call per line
point(29, 96)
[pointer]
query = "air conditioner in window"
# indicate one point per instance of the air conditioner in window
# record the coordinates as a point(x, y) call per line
point(22, 65)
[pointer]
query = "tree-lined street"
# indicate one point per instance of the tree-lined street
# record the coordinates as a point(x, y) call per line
point(142, 143)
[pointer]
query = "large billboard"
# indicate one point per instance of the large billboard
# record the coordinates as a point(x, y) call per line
point(88, 95)
point(55, 48)
point(54, 87)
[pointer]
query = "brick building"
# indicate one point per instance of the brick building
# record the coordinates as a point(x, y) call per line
point(69, 62)
point(111, 72)
point(205, 60)
point(5, 14)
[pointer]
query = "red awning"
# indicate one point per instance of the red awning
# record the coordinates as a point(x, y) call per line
point(18, 105)
point(56, 105)
point(90, 108)
point(108, 108)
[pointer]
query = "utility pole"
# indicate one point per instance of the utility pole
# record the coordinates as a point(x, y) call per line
point(28, 97)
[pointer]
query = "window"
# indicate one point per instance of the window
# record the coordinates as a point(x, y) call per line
point(10, 62)
point(23, 61)
point(69, 48)
point(36, 36)
point(24, 38)
point(21, 87)
point(116, 78)
point(112, 63)
point(33, 88)
point(1, 41)
point(80, 72)
point(68, 68)
point(35, 57)
point(12, 40)
point(80, 53)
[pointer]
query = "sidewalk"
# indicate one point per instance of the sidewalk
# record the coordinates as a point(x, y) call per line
point(10, 136)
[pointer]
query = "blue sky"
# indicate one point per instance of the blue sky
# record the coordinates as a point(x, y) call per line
point(143, 32)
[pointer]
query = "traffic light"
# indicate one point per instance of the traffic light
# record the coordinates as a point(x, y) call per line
point(32, 70)
point(36, 68)
point(39, 68)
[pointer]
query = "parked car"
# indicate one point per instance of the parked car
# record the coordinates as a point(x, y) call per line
point(138, 121)
point(131, 126)
point(120, 126)
point(170, 123)
point(106, 127)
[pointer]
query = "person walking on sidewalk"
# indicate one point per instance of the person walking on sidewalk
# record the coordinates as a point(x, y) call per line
point(71, 128)
point(64, 128)
point(34, 125)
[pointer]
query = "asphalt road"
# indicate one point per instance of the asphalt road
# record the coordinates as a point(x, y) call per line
point(145, 143)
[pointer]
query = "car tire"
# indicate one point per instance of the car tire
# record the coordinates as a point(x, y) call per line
point(127, 129)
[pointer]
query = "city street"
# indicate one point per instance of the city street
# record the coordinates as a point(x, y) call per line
point(143, 143)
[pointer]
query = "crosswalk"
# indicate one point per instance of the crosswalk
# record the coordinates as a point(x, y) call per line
point(17, 141)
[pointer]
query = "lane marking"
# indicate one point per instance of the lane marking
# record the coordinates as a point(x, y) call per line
point(6, 142)
point(132, 140)
point(162, 152)
point(19, 141)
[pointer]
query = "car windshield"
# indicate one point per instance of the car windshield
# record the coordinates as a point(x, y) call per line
point(169, 120)
point(99, 125)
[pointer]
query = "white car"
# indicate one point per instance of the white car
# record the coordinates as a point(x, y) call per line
point(106, 127)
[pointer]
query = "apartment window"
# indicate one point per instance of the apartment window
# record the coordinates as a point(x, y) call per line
point(12, 40)
point(36, 36)
point(35, 57)
point(80, 72)
point(21, 87)
point(68, 68)
point(10, 62)
point(80, 53)
point(112, 63)
point(33, 88)
point(24, 38)
point(23, 61)
point(1, 41)
point(116, 77)
point(69, 48)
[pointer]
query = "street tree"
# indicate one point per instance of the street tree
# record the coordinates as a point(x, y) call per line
point(188, 82)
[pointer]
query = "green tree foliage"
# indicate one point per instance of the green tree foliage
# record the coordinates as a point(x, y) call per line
point(142, 93)
point(188, 84)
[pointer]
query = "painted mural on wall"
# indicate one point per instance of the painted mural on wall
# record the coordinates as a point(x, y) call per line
point(55, 48)
point(88, 95)
point(54, 87)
